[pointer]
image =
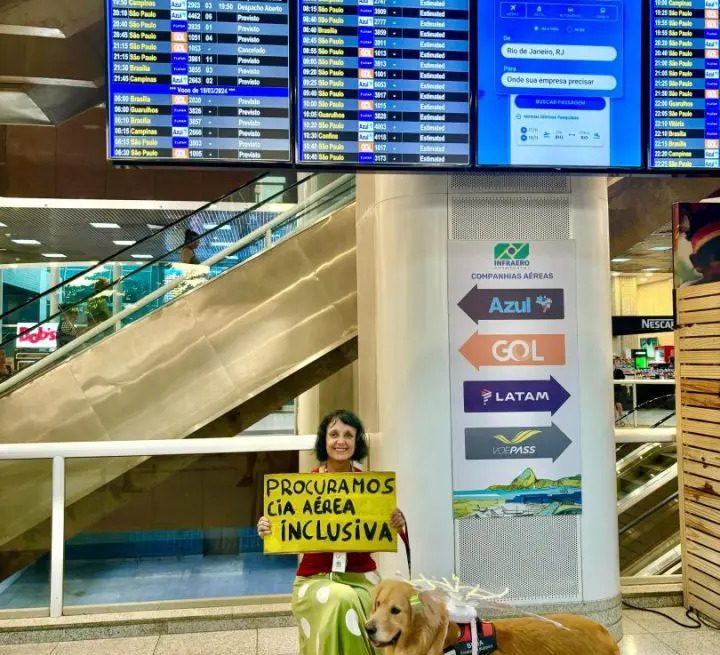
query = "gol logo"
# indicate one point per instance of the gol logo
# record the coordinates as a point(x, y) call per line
point(514, 350)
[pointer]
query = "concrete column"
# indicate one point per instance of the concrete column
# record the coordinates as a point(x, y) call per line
point(404, 225)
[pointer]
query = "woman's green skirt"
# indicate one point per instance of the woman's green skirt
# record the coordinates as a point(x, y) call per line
point(331, 610)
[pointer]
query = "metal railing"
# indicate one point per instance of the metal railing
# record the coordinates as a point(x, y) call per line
point(58, 453)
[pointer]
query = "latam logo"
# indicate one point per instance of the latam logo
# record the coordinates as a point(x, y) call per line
point(513, 304)
point(514, 350)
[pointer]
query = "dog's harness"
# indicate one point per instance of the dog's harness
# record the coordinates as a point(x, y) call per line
point(477, 638)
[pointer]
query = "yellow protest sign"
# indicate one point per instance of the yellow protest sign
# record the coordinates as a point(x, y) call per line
point(326, 512)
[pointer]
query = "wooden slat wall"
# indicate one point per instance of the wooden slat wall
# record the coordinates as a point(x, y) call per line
point(697, 363)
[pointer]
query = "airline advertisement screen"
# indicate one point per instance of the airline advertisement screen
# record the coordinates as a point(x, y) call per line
point(559, 84)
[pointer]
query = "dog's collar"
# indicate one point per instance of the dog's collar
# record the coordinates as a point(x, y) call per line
point(415, 602)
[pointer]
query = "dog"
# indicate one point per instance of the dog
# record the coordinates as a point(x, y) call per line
point(406, 622)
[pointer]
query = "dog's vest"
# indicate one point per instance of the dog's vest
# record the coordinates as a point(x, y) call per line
point(487, 641)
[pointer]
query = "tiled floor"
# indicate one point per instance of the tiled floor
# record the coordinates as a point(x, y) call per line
point(645, 634)
point(648, 634)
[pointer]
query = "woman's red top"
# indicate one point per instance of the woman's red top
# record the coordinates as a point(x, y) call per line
point(317, 563)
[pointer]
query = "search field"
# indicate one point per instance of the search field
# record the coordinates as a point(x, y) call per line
point(559, 52)
point(558, 81)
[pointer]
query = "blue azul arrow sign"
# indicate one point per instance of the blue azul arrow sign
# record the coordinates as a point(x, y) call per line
point(514, 396)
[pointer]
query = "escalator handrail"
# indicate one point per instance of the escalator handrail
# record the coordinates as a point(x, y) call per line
point(635, 496)
point(650, 512)
point(109, 323)
point(115, 255)
point(142, 267)
point(649, 402)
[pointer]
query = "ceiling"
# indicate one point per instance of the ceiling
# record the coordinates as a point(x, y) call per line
point(68, 231)
point(51, 59)
point(640, 211)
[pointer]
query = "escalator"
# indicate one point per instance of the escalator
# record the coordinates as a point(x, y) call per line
point(648, 509)
point(269, 313)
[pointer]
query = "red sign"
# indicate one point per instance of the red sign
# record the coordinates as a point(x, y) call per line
point(43, 336)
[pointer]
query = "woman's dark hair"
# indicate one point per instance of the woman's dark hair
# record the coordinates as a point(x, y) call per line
point(190, 236)
point(348, 418)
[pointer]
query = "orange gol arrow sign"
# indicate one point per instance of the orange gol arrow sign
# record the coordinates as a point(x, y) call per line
point(514, 350)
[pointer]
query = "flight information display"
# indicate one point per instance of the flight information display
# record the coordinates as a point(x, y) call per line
point(685, 84)
point(384, 82)
point(559, 83)
point(199, 80)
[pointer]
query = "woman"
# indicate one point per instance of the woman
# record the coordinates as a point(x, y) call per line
point(622, 398)
point(331, 608)
point(190, 245)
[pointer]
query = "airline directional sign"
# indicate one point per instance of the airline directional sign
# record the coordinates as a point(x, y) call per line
point(513, 304)
point(515, 443)
point(514, 396)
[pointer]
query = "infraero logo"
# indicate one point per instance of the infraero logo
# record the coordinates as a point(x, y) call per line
point(512, 255)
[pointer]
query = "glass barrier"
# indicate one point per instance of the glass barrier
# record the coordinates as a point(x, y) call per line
point(648, 510)
point(641, 403)
point(197, 247)
point(25, 536)
point(170, 528)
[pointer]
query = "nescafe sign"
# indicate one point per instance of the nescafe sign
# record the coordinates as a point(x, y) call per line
point(627, 325)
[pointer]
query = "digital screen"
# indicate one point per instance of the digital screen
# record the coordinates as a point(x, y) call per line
point(559, 83)
point(685, 84)
point(384, 82)
point(199, 80)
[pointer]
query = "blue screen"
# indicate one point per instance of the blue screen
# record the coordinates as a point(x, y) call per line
point(384, 82)
point(559, 84)
point(685, 84)
point(199, 80)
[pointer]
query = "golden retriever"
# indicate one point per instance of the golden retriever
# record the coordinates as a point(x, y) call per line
point(424, 628)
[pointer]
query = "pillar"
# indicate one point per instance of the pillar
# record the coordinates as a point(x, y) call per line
point(339, 391)
point(406, 224)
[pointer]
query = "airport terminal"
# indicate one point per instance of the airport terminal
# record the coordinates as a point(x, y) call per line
point(352, 327)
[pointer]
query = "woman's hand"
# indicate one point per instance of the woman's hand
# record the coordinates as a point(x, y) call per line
point(397, 520)
point(263, 527)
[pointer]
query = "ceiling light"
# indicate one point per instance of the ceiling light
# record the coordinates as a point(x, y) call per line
point(142, 256)
point(26, 242)
point(105, 226)
point(620, 260)
point(212, 226)
point(54, 255)
point(3, 225)
point(660, 248)
point(152, 226)
point(616, 274)
point(124, 243)
point(650, 270)
point(221, 244)
point(233, 257)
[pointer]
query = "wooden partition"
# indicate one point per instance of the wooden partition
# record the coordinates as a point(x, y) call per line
point(698, 389)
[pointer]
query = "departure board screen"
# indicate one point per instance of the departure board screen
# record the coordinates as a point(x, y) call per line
point(384, 82)
point(199, 80)
point(560, 83)
point(685, 79)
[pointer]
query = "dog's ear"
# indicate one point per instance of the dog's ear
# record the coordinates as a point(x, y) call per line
point(429, 622)
point(432, 606)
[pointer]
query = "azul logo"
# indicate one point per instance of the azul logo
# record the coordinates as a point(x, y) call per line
point(513, 304)
point(513, 255)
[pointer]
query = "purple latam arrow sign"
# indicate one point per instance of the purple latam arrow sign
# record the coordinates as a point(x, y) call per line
point(514, 396)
